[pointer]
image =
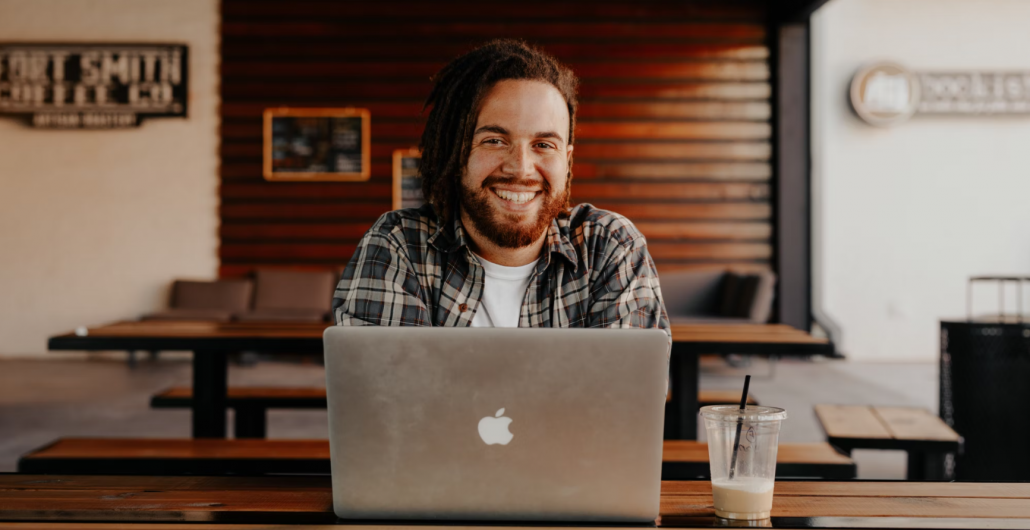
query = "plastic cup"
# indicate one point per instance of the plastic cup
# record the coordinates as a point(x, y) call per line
point(746, 492)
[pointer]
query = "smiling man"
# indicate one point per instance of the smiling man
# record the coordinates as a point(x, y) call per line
point(497, 245)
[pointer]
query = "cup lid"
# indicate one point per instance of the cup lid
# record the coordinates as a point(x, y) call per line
point(752, 413)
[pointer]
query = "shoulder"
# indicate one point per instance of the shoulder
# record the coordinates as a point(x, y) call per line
point(406, 226)
point(594, 225)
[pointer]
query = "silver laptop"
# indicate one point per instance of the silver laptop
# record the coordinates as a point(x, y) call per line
point(496, 424)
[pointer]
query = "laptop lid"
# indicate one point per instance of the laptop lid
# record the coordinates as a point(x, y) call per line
point(496, 424)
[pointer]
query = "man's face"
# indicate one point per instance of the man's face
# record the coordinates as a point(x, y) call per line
point(516, 181)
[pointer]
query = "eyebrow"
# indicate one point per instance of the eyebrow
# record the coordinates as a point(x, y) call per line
point(549, 134)
point(501, 130)
point(491, 128)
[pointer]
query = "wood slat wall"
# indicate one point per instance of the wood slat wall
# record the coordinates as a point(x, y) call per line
point(673, 127)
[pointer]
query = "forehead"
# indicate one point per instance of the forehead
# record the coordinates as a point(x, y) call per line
point(525, 107)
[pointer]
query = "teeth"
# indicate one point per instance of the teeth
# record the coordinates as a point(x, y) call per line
point(517, 198)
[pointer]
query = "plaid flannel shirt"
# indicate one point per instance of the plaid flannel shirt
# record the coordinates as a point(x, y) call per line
point(595, 272)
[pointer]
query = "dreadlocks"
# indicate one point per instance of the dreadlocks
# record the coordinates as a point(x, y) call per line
point(458, 92)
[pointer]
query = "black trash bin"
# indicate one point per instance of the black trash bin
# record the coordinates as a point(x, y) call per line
point(985, 394)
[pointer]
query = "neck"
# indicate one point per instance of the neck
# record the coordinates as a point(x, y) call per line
point(508, 257)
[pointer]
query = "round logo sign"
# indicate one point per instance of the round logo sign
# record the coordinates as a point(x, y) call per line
point(884, 94)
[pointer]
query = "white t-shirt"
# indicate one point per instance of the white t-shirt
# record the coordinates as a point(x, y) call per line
point(503, 291)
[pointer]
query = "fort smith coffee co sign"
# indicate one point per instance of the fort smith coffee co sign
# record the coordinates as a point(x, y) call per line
point(99, 86)
point(887, 93)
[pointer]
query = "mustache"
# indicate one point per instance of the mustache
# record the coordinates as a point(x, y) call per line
point(514, 181)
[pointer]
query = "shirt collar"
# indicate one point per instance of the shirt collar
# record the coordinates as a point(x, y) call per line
point(448, 237)
point(558, 241)
point(451, 236)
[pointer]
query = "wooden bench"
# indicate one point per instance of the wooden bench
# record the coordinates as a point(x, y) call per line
point(688, 459)
point(722, 397)
point(250, 403)
point(717, 397)
point(141, 456)
point(925, 437)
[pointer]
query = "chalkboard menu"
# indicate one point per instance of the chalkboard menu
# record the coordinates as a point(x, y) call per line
point(407, 183)
point(93, 86)
point(316, 144)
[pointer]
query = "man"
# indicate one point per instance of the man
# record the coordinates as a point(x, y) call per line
point(496, 244)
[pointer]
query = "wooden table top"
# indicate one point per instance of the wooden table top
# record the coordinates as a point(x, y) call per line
point(205, 330)
point(203, 335)
point(794, 453)
point(197, 336)
point(898, 423)
point(308, 500)
point(850, 427)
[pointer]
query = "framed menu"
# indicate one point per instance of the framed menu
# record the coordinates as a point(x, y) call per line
point(303, 144)
point(407, 183)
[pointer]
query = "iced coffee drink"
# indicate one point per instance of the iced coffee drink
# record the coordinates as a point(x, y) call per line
point(742, 448)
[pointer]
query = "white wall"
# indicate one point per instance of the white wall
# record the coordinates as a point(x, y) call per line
point(94, 224)
point(904, 215)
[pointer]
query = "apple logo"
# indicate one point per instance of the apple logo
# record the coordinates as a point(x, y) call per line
point(495, 430)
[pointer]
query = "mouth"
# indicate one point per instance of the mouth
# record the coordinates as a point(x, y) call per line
point(516, 198)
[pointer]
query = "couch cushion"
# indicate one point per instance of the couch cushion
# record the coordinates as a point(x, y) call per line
point(286, 289)
point(729, 295)
point(765, 290)
point(691, 293)
point(226, 295)
point(747, 296)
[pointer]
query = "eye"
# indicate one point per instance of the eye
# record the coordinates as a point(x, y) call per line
point(545, 145)
point(492, 141)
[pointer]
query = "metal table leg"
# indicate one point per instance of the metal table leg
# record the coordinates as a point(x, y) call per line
point(681, 413)
point(210, 386)
point(928, 465)
point(251, 422)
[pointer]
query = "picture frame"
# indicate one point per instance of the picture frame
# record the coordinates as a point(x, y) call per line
point(316, 144)
point(407, 182)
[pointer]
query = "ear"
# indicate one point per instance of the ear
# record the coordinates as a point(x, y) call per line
point(568, 154)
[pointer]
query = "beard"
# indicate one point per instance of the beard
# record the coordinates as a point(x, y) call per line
point(510, 230)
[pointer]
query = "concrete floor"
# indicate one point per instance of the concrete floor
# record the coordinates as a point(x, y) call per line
point(45, 399)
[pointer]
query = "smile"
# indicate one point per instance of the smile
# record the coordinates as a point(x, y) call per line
point(515, 197)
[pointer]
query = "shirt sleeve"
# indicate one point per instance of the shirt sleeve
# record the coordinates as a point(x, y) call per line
point(626, 293)
point(379, 287)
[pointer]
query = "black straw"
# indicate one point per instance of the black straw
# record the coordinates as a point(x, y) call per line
point(740, 423)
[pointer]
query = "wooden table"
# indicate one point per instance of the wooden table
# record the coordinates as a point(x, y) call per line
point(211, 342)
point(924, 436)
point(52, 499)
point(690, 341)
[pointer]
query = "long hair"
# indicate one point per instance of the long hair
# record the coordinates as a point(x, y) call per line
point(458, 92)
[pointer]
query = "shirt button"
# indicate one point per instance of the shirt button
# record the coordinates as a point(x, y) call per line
point(463, 307)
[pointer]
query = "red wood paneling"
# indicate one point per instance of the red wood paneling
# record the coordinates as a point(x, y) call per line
point(673, 126)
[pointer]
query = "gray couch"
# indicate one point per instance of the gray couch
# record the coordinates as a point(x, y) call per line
point(718, 296)
point(273, 295)
point(213, 301)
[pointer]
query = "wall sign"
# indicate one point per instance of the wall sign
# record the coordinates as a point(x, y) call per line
point(96, 86)
point(316, 144)
point(887, 93)
point(407, 182)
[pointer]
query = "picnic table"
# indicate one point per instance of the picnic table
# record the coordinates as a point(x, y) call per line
point(211, 343)
point(53, 501)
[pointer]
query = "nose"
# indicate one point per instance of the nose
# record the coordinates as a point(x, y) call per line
point(519, 162)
